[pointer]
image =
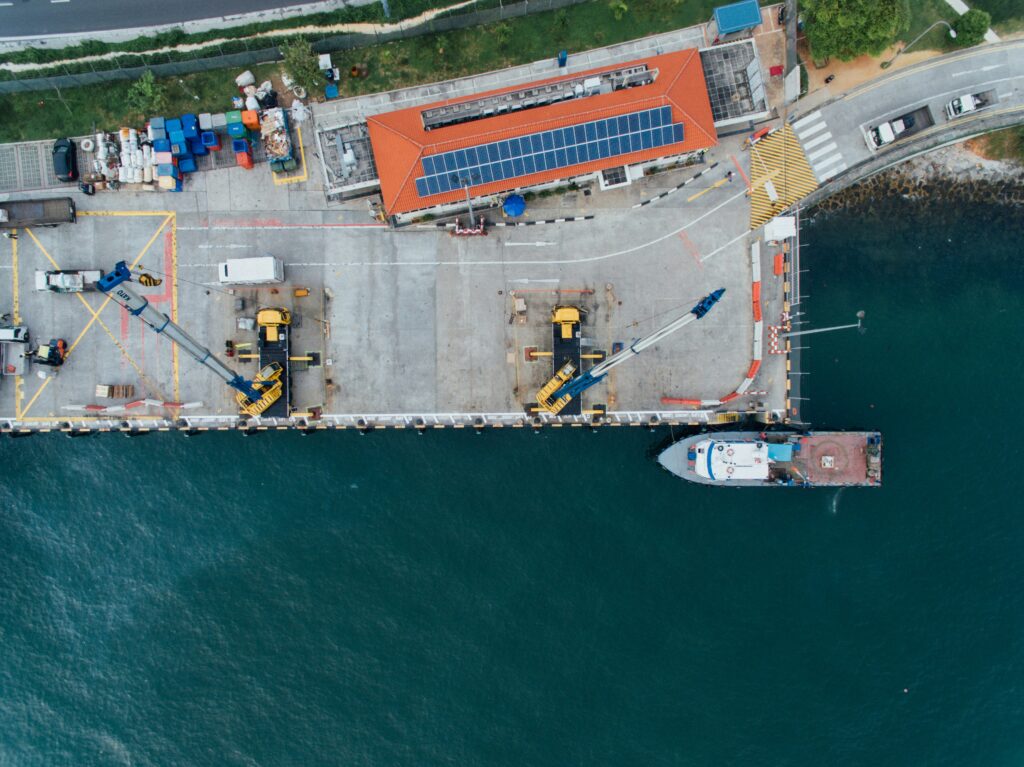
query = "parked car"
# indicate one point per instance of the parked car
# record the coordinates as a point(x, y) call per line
point(65, 160)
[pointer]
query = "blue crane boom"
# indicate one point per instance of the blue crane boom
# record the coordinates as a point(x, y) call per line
point(576, 386)
point(115, 284)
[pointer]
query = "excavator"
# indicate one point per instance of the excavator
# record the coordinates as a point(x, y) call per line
point(253, 397)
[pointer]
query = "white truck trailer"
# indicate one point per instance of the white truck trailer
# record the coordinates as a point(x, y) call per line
point(263, 270)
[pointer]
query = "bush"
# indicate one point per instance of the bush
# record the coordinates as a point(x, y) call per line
point(301, 63)
point(971, 27)
point(146, 95)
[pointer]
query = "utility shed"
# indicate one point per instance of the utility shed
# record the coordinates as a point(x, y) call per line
point(737, 17)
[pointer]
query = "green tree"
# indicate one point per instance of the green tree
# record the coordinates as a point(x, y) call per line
point(971, 27)
point(848, 28)
point(301, 63)
point(146, 95)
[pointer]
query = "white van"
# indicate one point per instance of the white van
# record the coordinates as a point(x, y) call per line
point(264, 270)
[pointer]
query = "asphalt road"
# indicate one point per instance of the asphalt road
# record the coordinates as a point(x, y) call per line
point(25, 18)
point(840, 127)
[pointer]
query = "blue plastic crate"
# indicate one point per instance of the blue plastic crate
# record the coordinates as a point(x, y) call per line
point(162, 145)
point(195, 146)
point(237, 130)
point(240, 145)
point(157, 122)
point(173, 124)
point(190, 126)
point(187, 164)
point(331, 91)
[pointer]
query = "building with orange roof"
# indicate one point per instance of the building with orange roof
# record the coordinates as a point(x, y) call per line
point(629, 115)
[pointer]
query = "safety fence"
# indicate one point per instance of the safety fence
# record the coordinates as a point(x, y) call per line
point(259, 53)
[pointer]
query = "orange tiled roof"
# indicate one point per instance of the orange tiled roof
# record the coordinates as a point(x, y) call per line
point(400, 141)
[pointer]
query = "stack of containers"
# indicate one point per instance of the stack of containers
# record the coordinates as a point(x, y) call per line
point(134, 158)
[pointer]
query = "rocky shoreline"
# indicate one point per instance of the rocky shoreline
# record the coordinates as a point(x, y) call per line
point(948, 175)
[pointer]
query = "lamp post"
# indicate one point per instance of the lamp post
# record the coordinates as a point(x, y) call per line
point(857, 324)
point(465, 180)
point(952, 33)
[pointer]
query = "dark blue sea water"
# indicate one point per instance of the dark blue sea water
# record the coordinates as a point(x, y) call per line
point(449, 600)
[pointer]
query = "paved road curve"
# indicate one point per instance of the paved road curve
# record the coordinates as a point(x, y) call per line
point(24, 18)
point(834, 136)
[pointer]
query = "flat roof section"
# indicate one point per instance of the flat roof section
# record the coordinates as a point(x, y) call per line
point(737, 16)
point(733, 75)
point(402, 145)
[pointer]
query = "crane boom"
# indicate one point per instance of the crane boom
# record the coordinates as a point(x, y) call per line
point(579, 384)
point(116, 287)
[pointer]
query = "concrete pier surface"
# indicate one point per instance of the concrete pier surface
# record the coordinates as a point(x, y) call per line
point(409, 327)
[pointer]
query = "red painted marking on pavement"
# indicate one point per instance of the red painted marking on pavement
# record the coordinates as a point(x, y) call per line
point(737, 164)
point(256, 223)
point(688, 244)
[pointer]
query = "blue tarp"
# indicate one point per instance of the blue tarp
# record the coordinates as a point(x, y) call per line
point(737, 17)
point(783, 453)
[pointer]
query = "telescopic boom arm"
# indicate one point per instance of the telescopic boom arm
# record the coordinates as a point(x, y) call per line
point(116, 286)
point(581, 383)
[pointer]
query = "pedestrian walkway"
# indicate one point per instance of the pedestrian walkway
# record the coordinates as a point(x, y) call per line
point(822, 152)
point(780, 175)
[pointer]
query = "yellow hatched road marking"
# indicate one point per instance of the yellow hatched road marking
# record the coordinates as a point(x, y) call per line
point(780, 159)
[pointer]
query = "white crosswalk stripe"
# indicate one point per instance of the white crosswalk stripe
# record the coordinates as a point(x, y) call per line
point(823, 154)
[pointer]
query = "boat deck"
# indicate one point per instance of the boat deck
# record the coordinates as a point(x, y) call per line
point(835, 458)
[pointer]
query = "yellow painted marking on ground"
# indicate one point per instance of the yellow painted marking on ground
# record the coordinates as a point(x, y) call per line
point(780, 159)
point(703, 192)
point(174, 301)
point(278, 181)
point(34, 398)
point(16, 302)
point(119, 213)
point(96, 314)
point(42, 249)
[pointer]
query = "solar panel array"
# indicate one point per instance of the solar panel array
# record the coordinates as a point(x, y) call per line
point(548, 150)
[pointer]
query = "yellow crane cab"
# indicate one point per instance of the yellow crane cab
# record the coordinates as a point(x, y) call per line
point(567, 318)
point(273, 318)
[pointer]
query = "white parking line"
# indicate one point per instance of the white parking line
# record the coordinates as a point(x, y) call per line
point(817, 140)
point(806, 120)
point(822, 152)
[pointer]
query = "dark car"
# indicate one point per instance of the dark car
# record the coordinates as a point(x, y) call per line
point(65, 160)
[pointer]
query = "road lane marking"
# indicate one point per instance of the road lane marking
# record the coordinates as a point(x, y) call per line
point(805, 132)
point(807, 119)
point(817, 140)
point(814, 156)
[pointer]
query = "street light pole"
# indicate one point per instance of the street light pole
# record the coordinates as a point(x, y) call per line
point(857, 324)
point(952, 33)
point(469, 203)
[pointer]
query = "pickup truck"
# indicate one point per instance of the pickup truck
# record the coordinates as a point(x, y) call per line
point(970, 102)
point(19, 213)
point(900, 127)
point(68, 280)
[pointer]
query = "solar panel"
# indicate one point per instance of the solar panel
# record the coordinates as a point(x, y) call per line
point(548, 150)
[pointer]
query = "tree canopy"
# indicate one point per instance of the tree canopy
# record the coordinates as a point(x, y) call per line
point(971, 27)
point(300, 61)
point(846, 29)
